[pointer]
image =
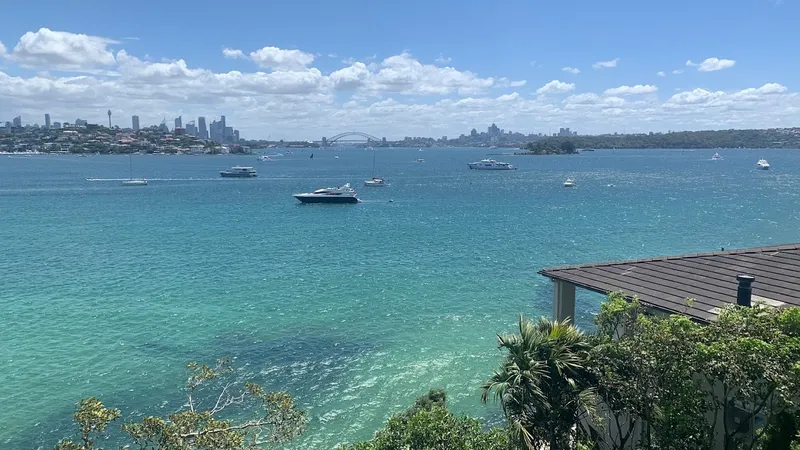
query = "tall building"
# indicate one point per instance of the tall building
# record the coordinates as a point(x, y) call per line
point(56, 125)
point(135, 123)
point(18, 121)
point(235, 135)
point(215, 131)
point(191, 129)
point(227, 134)
point(473, 133)
point(493, 130)
point(109, 118)
point(80, 121)
point(202, 132)
point(564, 132)
point(179, 122)
point(47, 121)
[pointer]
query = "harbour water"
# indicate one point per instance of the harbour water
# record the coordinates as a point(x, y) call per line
point(355, 309)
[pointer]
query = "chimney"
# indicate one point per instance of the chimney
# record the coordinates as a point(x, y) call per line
point(745, 291)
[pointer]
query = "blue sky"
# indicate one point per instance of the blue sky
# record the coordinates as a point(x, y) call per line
point(748, 78)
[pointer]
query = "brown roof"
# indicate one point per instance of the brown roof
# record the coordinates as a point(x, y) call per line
point(667, 282)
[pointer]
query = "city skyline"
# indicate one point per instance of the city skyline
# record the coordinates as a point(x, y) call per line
point(293, 81)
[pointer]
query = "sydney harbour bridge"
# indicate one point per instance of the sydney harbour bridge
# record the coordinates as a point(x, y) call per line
point(351, 137)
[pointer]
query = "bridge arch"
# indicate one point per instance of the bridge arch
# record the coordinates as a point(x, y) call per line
point(366, 136)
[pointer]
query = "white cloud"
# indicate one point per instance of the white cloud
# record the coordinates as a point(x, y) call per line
point(661, 74)
point(443, 60)
point(279, 59)
point(712, 64)
point(2, 49)
point(631, 90)
point(404, 74)
point(606, 64)
point(332, 55)
point(518, 83)
point(587, 98)
point(59, 50)
point(677, 71)
point(233, 53)
point(352, 77)
point(556, 87)
point(572, 70)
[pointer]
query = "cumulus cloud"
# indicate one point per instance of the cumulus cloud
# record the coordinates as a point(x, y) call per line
point(572, 70)
point(352, 77)
point(677, 71)
point(279, 59)
point(661, 74)
point(231, 53)
point(712, 64)
point(404, 74)
point(60, 50)
point(556, 87)
point(2, 49)
point(631, 90)
point(606, 64)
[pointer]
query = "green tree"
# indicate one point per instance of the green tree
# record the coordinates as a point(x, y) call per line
point(275, 418)
point(644, 368)
point(567, 147)
point(429, 425)
point(542, 384)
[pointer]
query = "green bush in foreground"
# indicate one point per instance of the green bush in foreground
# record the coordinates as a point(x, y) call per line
point(429, 425)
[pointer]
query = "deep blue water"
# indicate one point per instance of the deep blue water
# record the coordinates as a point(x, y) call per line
point(355, 309)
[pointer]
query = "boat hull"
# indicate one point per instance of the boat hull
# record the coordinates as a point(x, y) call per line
point(134, 183)
point(327, 199)
point(237, 175)
point(482, 167)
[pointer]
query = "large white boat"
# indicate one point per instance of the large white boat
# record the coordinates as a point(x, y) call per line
point(239, 172)
point(490, 164)
point(716, 156)
point(342, 194)
point(762, 164)
point(569, 183)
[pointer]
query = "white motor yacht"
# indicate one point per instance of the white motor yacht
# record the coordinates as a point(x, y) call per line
point(490, 164)
point(569, 183)
point(342, 194)
point(375, 182)
point(762, 164)
point(239, 172)
point(716, 156)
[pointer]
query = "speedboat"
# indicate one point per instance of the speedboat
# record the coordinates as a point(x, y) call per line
point(135, 182)
point(342, 194)
point(419, 160)
point(239, 172)
point(762, 164)
point(569, 183)
point(716, 156)
point(375, 182)
point(264, 158)
point(490, 164)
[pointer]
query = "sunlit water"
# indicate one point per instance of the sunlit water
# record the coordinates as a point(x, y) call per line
point(354, 309)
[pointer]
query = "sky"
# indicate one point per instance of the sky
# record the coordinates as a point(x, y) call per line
point(305, 69)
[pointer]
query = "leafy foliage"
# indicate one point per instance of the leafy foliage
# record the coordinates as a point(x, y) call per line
point(275, 418)
point(429, 425)
point(543, 385)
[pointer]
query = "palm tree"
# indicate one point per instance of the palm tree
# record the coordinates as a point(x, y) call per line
point(542, 384)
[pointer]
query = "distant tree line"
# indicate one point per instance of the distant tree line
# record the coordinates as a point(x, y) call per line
point(767, 138)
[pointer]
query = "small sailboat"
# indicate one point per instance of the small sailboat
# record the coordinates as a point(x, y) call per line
point(375, 181)
point(133, 181)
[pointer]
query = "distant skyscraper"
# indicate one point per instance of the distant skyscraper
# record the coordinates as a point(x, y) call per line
point(473, 133)
point(8, 125)
point(235, 135)
point(202, 131)
point(227, 134)
point(191, 129)
point(493, 130)
point(179, 122)
point(135, 123)
point(56, 125)
point(80, 121)
point(47, 121)
point(18, 121)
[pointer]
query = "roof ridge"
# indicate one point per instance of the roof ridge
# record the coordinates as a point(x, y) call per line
point(742, 251)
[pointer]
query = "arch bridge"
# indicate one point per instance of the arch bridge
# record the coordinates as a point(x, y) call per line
point(348, 134)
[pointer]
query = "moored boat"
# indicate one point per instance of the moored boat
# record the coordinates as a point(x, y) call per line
point(490, 164)
point(762, 164)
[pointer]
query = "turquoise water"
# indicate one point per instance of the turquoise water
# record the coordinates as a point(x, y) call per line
point(355, 309)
